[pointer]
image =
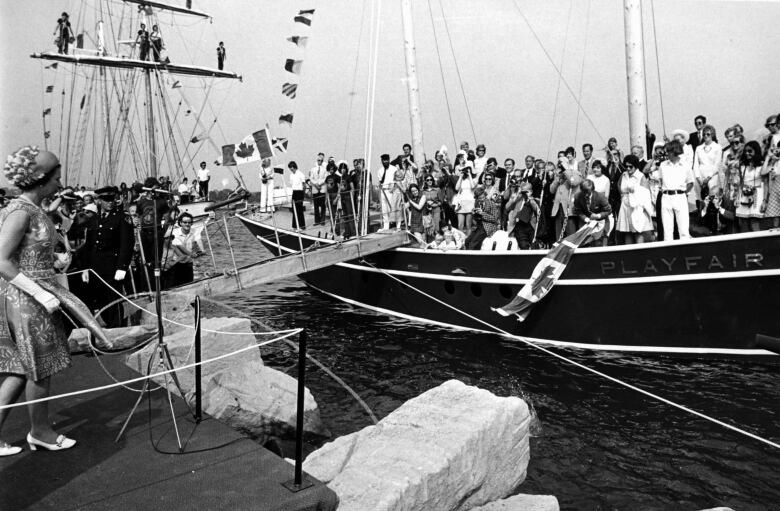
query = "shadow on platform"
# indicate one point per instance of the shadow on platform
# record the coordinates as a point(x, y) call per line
point(220, 469)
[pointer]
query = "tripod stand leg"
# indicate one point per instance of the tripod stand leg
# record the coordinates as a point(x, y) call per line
point(175, 378)
point(144, 390)
point(173, 414)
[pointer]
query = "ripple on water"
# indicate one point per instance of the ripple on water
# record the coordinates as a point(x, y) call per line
point(595, 445)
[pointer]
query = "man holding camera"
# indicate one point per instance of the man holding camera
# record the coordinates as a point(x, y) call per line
point(522, 214)
point(564, 187)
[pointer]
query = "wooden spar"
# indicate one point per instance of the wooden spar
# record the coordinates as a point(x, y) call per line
point(150, 122)
point(97, 60)
point(168, 7)
point(292, 264)
point(635, 72)
point(411, 82)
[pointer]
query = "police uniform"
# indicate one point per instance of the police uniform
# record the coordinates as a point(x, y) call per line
point(107, 251)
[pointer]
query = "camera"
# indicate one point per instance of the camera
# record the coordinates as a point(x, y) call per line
point(748, 190)
point(746, 198)
point(514, 182)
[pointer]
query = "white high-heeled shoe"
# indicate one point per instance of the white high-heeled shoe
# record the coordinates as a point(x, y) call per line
point(63, 442)
point(8, 449)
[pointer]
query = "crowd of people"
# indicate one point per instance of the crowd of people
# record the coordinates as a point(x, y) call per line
point(691, 185)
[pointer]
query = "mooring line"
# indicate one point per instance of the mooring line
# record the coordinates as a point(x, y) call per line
point(581, 366)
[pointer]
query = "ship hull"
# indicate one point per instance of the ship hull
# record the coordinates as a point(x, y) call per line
point(699, 297)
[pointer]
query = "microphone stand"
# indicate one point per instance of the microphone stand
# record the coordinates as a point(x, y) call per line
point(164, 360)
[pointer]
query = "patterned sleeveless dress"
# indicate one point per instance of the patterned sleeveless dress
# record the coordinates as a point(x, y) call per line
point(32, 341)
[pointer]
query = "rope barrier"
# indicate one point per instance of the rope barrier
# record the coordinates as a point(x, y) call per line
point(582, 366)
point(155, 375)
point(124, 298)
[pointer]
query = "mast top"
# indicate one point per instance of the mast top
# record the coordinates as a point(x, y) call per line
point(168, 7)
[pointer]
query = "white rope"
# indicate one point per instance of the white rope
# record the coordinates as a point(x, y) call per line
point(155, 375)
point(126, 299)
point(581, 366)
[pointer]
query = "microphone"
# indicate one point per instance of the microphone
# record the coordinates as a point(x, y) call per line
point(156, 190)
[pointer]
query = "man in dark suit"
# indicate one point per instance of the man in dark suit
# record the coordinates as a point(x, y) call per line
point(107, 252)
point(591, 205)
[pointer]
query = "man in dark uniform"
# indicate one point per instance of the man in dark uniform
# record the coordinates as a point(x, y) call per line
point(108, 250)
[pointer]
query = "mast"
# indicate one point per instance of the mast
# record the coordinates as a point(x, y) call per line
point(635, 71)
point(150, 122)
point(411, 82)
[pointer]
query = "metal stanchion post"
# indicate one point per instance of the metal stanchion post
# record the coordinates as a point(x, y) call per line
point(198, 390)
point(298, 483)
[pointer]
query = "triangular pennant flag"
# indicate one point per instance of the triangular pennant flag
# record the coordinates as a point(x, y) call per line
point(46, 134)
point(83, 99)
point(293, 66)
point(299, 41)
point(197, 138)
point(286, 118)
point(306, 11)
point(53, 65)
point(290, 90)
point(228, 154)
point(279, 170)
point(280, 144)
point(50, 88)
point(306, 20)
point(263, 144)
point(47, 111)
point(176, 84)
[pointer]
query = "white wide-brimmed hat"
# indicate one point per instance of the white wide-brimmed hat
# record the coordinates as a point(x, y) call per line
point(683, 133)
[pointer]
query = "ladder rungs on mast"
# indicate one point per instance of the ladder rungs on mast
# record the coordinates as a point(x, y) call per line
point(95, 60)
point(169, 7)
point(294, 264)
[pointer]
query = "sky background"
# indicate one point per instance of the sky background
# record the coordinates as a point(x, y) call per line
point(716, 58)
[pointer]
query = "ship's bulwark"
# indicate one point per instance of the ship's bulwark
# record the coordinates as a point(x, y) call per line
point(709, 297)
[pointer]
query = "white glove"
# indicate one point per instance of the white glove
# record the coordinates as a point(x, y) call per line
point(85, 276)
point(120, 275)
point(48, 300)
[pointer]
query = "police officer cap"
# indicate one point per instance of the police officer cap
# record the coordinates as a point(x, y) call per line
point(107, 192)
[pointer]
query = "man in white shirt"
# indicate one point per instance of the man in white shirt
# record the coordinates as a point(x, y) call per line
point(317, 176)
point(676, 182)
point(387, 184)
point(298, 185)
point(186, 245)
point(204, 175)
point(266, 186)
point(184, 192)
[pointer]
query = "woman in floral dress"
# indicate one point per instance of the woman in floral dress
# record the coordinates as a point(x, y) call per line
point(33, 340)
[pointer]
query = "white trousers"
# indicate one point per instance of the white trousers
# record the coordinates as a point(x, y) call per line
point(267, 196)
point(387, 206)
point(675, 207)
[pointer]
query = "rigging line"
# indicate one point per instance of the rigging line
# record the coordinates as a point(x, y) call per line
point(580, 365)
point(62, 129)
point(169, 141)
point(354, 80)
point(367, 114)
point(568, 87)
point(582, 71)
point(441, 72)
point(457, 70)
point(658, 71)
point(644, 65)
point(560, 78)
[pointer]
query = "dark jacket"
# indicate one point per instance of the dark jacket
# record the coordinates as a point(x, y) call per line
point(597, 204)
point(109, 244)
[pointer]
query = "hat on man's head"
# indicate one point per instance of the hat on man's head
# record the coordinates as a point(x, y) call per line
point(108, 193)
point(684, 134)
point(385, 157)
